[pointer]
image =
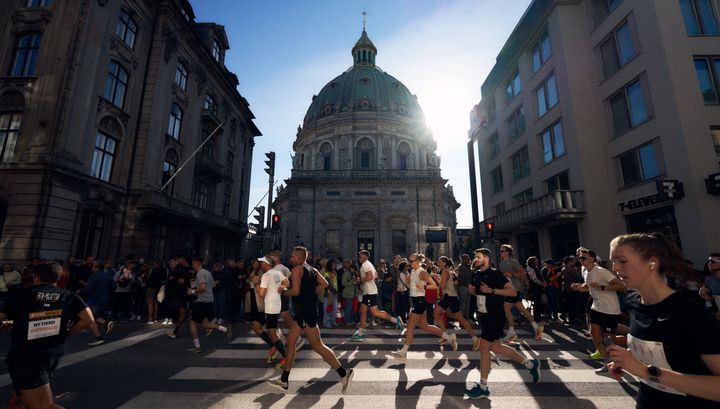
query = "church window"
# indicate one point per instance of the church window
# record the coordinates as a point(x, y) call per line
point(403, 156)
point(365, 160)
point(326, 154)
point(365, 155)
point(399, 241)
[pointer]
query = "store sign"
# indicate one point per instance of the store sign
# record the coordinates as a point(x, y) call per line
point(670, 189)
point(436, 236)
point(712, 183)
point(641, 202)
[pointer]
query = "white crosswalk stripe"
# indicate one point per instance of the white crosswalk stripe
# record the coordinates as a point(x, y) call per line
point(431, 376)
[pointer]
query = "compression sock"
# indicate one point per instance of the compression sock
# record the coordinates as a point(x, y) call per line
point(341, 371)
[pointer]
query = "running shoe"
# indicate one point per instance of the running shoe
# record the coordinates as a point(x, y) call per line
point(539, 332)
point(510, 337)
point(281, 364)
point(403, 332)
point(346, 380)
point(477, 392)
point(197, 350)
point(400, 354)
point(279, 383)
point(357, 337)
point(442, 341)
point(171, 335)
point(272, 355)
point(453, 342)
point(299, 344)
point(149, 322)
point(399, 323)
point(596, 355)
point(97, 341)
point(109, 327)
point(535, 370)
point(603, 371)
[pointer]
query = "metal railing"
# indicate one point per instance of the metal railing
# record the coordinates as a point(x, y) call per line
point(554, 205)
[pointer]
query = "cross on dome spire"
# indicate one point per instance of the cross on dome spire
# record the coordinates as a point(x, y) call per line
point(364, 51)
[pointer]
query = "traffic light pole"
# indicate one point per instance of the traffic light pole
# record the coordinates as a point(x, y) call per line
point(271, 182)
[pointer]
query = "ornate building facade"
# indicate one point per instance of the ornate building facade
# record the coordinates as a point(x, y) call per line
point(100, 104)
point(365, 174)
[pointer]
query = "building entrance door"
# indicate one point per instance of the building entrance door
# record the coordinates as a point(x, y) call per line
point(366, 241)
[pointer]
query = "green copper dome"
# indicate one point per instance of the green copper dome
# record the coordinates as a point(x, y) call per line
point(363, 87)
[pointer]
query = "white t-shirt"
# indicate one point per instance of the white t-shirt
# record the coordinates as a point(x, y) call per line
point(286, 271)
point(271, 281)
point(603, 301)
point(415, 280)
point(369, 287)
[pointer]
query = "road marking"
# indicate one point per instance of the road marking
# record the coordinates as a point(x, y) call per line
point(370, 340)
point(444, 375)
point(93, 352)
point(412, 355)
point(180, 400)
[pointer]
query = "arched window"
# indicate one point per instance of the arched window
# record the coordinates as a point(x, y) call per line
point(403, 156)
point(9, 132)
point(181, 75)
point(26, 53)
point(175, 121)
point(326, 155)
point(365, 155)
point(126, 28)
point(116, 84)
point(169, 169)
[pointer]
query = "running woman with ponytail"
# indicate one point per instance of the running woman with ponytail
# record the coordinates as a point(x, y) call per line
point(674, 343)
point(450, 303)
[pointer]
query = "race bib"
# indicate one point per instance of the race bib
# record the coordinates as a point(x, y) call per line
point(651, 353)
point(481, 307)
point(44, 324)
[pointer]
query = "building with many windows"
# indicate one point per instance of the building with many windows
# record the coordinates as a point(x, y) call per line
point(601, 117)
point(101, 102)
point(365, 174)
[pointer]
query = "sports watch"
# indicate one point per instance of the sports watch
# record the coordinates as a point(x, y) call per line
point(654, 373)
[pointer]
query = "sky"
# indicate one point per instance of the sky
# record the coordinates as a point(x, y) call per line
point(284, 52)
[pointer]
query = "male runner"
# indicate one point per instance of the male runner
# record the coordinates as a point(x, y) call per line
point(306, 285)
point(40, 316)
point(490, 286)
point(268, 290)
point(368, 275)
point(516, 274)
point(203, 309)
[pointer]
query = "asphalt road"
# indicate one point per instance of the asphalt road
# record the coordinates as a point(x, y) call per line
point(139, 367)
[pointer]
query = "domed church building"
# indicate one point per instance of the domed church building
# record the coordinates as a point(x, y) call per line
point(365, 174)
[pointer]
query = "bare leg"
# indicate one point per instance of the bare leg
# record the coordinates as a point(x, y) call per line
point(151, 309)
point(293, 335)
point(429, 328)
point(508, 314)
point(363, 317)
point(463, 322)
point(507, 352)
point(36, 398)
point(313, 336)
point(524, 311)
point(381, 314)
point(438, 317)
point(412, 321)
point(597, 335)
point(484, 359)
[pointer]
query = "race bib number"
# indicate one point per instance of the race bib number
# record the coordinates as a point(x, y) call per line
point(481, 307)
point(44, 324)
point(651, 353)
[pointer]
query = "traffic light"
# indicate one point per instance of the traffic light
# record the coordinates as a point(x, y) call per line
point(270, 170)
point(490, 230)
point(260, 217)
point(276, 222)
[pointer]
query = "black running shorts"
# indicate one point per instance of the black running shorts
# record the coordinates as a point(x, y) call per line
point(450, 301)
point(608, 322)
point(31, 372)
point(271, 321)
point(202, 311)
point(419, 304)
point(371, 300)
point(305, 317)
point(491, 327)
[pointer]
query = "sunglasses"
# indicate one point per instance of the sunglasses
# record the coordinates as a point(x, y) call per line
point(504, 251)
point(713, 261)
point(412, 260)
point(582, 258)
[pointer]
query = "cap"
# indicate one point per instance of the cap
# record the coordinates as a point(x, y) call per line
point(263, 259)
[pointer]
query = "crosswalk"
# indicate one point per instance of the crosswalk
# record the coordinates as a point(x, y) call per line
point(431, 376)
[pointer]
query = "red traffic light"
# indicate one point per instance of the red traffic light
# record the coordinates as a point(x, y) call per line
point(489, 226)
point(276, 218)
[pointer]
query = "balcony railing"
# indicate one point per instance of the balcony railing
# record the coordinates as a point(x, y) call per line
point(205, 164)
point(365, 174)
point(560, 204)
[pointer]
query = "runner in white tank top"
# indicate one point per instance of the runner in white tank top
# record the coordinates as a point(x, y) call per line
point(450, 304)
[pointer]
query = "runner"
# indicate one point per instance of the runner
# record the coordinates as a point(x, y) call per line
point(490, 286)
point(40, 316)
point(307, 284)
point(678, 366)
point(268, 290)
point(284, 307)
point(605, 310)
point(100, 287)
point(368, 275)
point(176, 291)
point(202, 310)
point(512, 269)
point(418, 281)
point(451, 301)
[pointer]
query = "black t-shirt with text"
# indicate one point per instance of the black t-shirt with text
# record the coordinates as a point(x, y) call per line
point(672, 334)
point(40, 317)
point(493, 278)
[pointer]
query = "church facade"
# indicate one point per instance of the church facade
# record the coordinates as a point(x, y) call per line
point(365, 174)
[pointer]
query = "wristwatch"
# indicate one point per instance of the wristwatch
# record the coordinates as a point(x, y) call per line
point(654, 373)
point(492, 291)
